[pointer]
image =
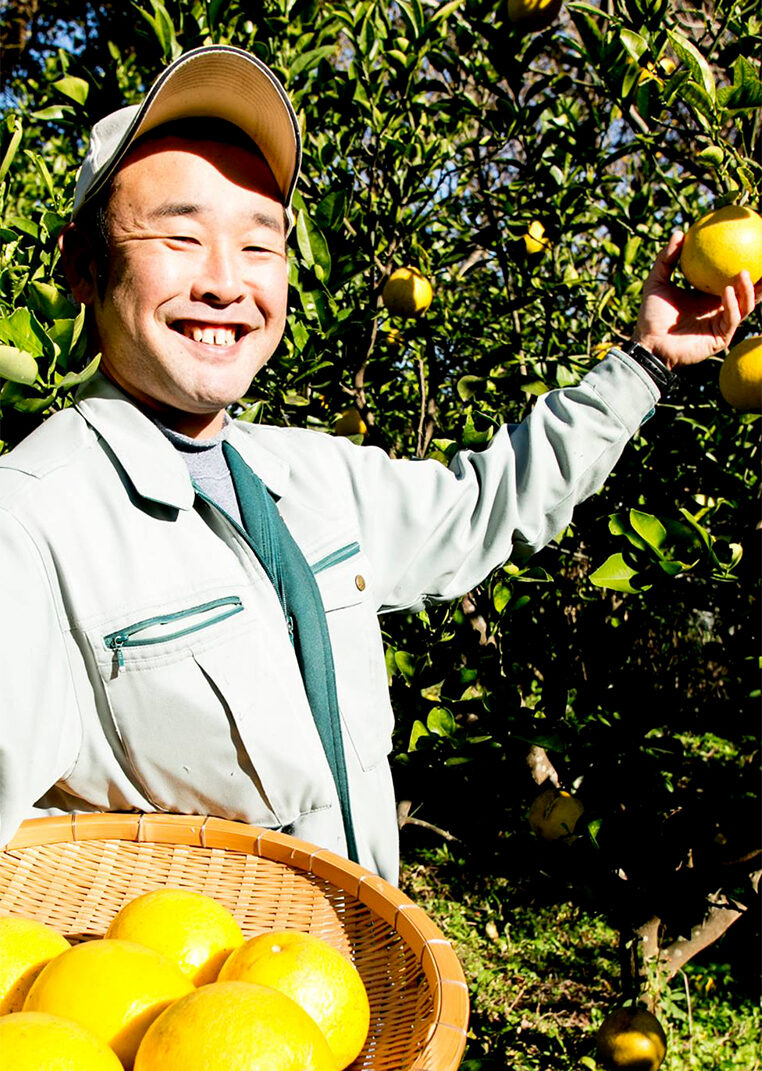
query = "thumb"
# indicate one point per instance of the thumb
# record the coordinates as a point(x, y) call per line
point(667, 259)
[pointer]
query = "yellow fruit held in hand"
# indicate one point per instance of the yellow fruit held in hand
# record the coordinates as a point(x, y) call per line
point(314, 974)
point(741, 375)
point(113, 988)
point(554, 814)
point(25, 947)
point(535, 240)
point(192, 929)
point(533, 15)
point(350, 423)
point(234, 1026)
point(407, 292)
point(33, 1041)
point(631, 1038)
point(720, 245)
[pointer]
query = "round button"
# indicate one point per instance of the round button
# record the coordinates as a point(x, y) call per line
point(360, 582)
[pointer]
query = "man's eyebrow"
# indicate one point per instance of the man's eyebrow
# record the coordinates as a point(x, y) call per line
point(171, 209)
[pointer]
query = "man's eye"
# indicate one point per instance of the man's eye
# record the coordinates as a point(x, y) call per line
point(185, 239)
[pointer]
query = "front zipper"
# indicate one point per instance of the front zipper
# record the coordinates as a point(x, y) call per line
point(335, 557)
point(127, 637)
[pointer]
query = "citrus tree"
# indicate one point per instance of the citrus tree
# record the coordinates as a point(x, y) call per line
point(530, 174)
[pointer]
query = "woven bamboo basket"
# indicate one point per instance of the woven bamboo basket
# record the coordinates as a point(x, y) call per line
point(75, 872)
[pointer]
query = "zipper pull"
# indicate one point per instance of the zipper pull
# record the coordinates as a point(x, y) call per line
point(115, 643)
point(290, 625)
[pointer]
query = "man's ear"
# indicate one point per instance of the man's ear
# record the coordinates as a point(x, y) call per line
point(79, 262)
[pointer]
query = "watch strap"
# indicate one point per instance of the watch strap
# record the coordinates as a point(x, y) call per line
point(656, 368)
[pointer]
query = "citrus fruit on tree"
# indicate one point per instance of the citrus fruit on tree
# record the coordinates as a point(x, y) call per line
point(192, 929)
point(350, 423)
point(535, 240)
point(25, 947)
point(314, 974)
point(533, 15)
point(720, 245)
point(113, 988)
point(741, 375)
point(234, 1026)
point(407, 292)
point(631, 1038)
point(34, 1041)
point(554, 814)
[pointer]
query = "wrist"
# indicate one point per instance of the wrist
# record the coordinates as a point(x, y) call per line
point(654, 365)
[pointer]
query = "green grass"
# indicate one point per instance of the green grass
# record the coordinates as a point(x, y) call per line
point(543, 973)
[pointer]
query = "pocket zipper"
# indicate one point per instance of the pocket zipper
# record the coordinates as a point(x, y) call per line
point(335, 557)
point(125, 637)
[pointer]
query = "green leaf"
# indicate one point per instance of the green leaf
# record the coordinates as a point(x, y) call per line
point(441, 722)
point(23, 330)
point(633, 43)
point(405, 664)
point(501, 597)
point(74, 379)
point(698, 66)
point(17, 365)
point(313, 246)
point(13, 122)
point(468, 386)
point(616, 574)
point(446, 10)
point(47, 300)
point(75, 89)
point(418, 731)
point(307, 60)
point(649, 528)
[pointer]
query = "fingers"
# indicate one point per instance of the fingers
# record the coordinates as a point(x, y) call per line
point(731, 314)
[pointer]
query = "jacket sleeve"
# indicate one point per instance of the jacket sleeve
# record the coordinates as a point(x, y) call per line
point(39, 724)
point(433, 533)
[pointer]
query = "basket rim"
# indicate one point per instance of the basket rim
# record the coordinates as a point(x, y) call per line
point(433, 952)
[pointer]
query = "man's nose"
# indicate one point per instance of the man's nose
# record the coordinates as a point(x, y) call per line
point(219, 280)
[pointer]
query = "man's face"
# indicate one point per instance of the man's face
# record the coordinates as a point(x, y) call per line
point(195, 302)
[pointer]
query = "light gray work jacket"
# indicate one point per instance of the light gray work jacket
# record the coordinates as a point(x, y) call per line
point(145, 662)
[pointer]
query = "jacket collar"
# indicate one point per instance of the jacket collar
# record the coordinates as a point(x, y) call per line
point(156, 470)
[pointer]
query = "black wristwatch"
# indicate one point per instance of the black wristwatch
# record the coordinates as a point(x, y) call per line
point(665, 380)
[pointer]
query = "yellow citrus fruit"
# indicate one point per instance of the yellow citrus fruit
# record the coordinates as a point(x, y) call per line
point(234, 1026)
point(631, 1038)
point(554, 814)
point(741, 375)
point(720, 245)
point(34, 1041)
point(533, 15)
point(194, 930)
point(350, 423)
point(314, 974)
point(25, 947)
point(534, 239)
point(113, 988)
point(407, 292)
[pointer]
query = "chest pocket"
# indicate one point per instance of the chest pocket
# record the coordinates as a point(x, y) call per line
point(358, 652)
point(191, 695)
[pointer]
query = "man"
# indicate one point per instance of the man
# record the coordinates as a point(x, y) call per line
point(192, 603)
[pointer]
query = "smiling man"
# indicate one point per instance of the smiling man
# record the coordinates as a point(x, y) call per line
point(192, 602)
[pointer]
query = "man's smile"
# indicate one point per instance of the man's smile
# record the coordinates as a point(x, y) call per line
point(211, 334)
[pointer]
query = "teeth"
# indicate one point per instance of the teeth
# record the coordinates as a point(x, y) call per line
point(212, 336)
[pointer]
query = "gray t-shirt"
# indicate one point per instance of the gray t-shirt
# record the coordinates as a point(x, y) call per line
point(207, 466)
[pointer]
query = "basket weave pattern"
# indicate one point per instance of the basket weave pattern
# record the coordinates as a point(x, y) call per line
point(76, 872)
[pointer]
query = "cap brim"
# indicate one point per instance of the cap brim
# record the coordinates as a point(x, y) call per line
point(219, 82)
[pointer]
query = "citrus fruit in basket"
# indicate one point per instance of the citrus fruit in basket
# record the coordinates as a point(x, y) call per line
point(720, 245)
point(114, 988)
point(34, 1041)
point(631, 1038)
point(192, 929)
point(314, 974)
point(25, 947)
point(234, 1026)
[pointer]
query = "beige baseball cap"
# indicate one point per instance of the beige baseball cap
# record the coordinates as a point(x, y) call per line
point(218, 82)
